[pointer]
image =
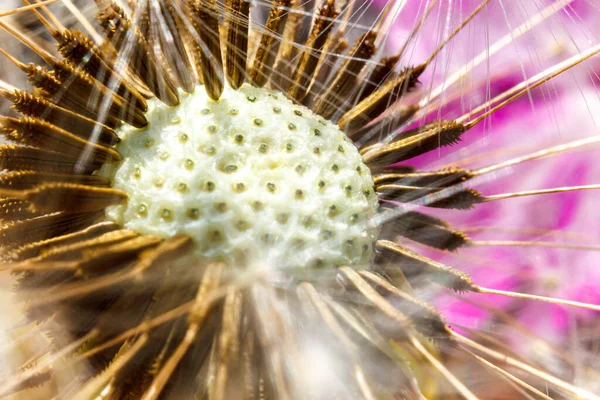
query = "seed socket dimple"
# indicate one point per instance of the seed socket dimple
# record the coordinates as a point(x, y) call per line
point(210, 186)
point(335, 168)
point(159, 181)
point(183, 137)
point(239, 138)
point(233, 111)
point(267, 238)
point(205, 111)
point(321, 184)
point(142, 210)
point(317, 150)
point(137, 172)
point(239, 187)
point(354, 218)
point(282, 218)
point(166, 213)
point(276, 110)
point(210, 150)
point(251, 99)
point(263, 148)
point(258, 122)
point(299, 194)
point(189, 164)
point(176, 120)
point(298, 113)
point(182, 187)
point(317, 132)
point(231, 168)
point(242, 225)
point(340, 148)
point(216, 236)
point(299, 168)
point(212, 129)
point(291, 126)
point(193, 213)
point(289, 147)
point(258, 205)
point(221, 207)
point(271, 187)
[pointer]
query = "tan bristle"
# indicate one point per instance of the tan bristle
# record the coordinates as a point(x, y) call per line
point(377, 77)
point(413, 265)
point(19, 180)
point(236, 47)
point(345, 80)
point(459, 197)
point(421, 228)
point(38, 133)
point(72, 197)
point(44, 227)
point(35, 249)
point(143, 62)
point(373, 105)
point(413, 143)
point(205, 20)
point(81, 51)
point(270, 40)
point(309, 59)
point(442, 178)
point(14, 210)
point(26, 158)
point(77, 124)
point(65, 251)
point(172, 44)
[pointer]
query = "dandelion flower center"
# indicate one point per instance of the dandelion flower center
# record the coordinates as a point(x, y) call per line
point(252, 178)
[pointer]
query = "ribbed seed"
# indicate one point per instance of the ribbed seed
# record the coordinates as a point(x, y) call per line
point(421, 228)
point(71, 197)
point(270, 40)
point(19, 180)
point(77, 124)
point(413, 143)
point(309, 59)
point(372, 106)
point(236, 47)
point(37, 248)
point(345, 79)
point(120, 30)
point(80, 50)
point(414, 265)
point(31, 159)
point(208, 52)
point(38, 133)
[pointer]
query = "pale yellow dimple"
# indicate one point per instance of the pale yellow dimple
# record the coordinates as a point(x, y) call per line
point(252, 178)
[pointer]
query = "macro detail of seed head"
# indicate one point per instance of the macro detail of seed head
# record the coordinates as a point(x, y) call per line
point(281, 200)
point(252, 178)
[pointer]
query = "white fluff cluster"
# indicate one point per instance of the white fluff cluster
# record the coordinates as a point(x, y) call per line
point(251, 177)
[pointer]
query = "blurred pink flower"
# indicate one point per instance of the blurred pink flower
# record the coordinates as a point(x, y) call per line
point(558, 112)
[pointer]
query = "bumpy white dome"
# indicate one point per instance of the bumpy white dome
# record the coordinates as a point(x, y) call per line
point(252, 177)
